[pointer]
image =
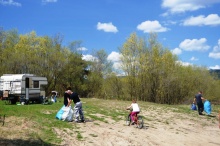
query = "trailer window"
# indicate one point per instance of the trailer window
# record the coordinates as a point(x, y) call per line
point(36, 84)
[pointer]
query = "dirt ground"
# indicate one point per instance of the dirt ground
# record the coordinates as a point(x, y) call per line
point(160, 129)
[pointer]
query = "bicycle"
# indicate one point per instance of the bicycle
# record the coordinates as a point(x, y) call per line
point(138, 120)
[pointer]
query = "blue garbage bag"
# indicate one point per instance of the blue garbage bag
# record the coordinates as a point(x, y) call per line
point(207, 107)
point(60, 113)
point(193, 107)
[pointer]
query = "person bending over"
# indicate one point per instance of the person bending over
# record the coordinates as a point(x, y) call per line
point(78, 110)
point(67, 101)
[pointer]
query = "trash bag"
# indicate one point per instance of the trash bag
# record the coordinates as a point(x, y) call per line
point(193, 107)
point(69, 117)
point(67, 114)
point(207, 107)
point(60, 113)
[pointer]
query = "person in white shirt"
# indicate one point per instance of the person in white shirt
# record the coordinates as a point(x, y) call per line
point(135, 110)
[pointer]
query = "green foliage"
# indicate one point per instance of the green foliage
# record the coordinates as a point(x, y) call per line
point(42, 56)
point(100, 69)
point(152, 72)
point(113, 87)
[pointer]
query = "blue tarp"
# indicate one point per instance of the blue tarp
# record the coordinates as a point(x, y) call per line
point(207, 107)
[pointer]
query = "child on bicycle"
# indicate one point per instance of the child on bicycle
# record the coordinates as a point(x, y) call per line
point(135, 110)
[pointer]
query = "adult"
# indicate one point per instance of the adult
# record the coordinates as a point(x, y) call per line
point(78, 110)
point(67, 100)
point(198, 99)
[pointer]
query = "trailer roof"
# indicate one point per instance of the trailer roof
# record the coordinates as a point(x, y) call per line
point(21, 76)
point(18, 74)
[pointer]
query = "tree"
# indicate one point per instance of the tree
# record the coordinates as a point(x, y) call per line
point(100, 69)
point(131, 52)
point(113, 87)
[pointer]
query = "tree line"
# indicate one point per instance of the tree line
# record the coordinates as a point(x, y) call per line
point(148, 70)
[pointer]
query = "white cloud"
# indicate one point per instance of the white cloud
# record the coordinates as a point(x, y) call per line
point(181, 6)
point(176, 51)
point(82, 49)
point(212, 19)
point(49, 1)
point(151, 26)
point(165, 14)
point(183, 63)
point(194, 45)
point(215, 52)
point(117, 64)
point(89, 58)
point(215, 67)
point(169, 22)
point(107, 27)
point(114, 56)
point(215, 55)
point(10, 2)
point(194, 58)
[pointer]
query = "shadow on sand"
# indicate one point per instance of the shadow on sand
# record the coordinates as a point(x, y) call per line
point(211, 116)
point(21, 142)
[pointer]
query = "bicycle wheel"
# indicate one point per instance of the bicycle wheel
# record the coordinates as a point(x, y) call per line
point(128, 120)
point(140, 122)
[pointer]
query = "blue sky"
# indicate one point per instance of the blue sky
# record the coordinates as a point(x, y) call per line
point(189, 28)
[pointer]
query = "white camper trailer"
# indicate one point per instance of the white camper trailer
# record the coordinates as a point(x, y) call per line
point(28, 86)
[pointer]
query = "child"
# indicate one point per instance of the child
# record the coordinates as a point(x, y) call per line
point(135, 110)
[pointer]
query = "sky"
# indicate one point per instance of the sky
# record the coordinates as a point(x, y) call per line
point(189, 28)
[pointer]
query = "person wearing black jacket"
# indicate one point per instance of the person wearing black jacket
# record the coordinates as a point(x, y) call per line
point(78, 110)
point(67, 100)
point(198, 99)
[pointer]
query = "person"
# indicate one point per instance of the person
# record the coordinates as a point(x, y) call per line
point(63, 113)
point(78, 110)
point(135, 110)
point(54, 97)
point(193, 106)
point(67, 101)
point(198, 99)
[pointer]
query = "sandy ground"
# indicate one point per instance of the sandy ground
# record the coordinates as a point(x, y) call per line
point(164, 128)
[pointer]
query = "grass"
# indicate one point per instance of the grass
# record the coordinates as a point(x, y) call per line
point(79, 136)
point(93, 135)
point(41, 121)
point(40, 118)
